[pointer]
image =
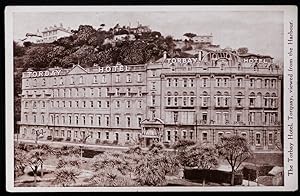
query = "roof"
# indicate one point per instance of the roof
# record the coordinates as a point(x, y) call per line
point(276, 170)
point(257, 55)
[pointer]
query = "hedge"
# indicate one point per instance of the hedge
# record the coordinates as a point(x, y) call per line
point(215, 176)
point(249, 171)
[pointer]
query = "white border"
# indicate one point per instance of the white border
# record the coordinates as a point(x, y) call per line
point(290, 13)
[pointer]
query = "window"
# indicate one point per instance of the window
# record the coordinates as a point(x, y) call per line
point(99, 92)
point(83, 104)
point(92, 92)
point(99, 135)
point(191, 135)
point(175, 101)
point(43, 119)
point(204, 82)
point(107, 104)
point(204, 136)
point(218, 82)
point(258, 139)
point(204, 116)
point(117, 120)
point(54, 81)
point(168, 135)
point(92, 104)
point(62, 133)
point(239, 82)
point(75, 134)
point(192, 82)
point(76, 120)
point(99, 120)
point(127, 136)
point(251, 101)
point(139, 121)
point(192, 100)
point(175, 82)
point(34, 118)
point(184, 82)
point(184, 100)
point(244, 134)
point(61, 81)
point(92, 120)
point(103, 79)
point(153, 114)
point(95, 79)
point(128, 104)
point(99, 104)
point(153, 85)
point(175, 116)
point(81, 80)
point(117, 78)
point(64, 104)
point(128, 91)
point(43, 82)
point(153, 73)
point(140, 104)
point(270, 138)
point(273, 83)
point(70, 120)
point(139, 78)
point(128, 121)
point(128, 78)
point(176, 135)
point(169, 101)
point(117, 136)
point(57, 103)
point(153, 100)
point(107, 120)
point(239, 101)
point(238, 117)
point(169, 82)
point(83, 120)
point(220, 135)
point(64, 119)
point(107, 135)
point(225, 82)
point(107, 92)
point(184, 134)
point(266, 83)
point(117, 104)
point(252, 82)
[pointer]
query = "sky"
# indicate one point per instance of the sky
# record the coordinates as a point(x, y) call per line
point(260, 31)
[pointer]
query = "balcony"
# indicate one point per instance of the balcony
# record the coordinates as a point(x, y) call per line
point(239, 106)
point(221, 106)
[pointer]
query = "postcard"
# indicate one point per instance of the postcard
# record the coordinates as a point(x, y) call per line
point(151, 98)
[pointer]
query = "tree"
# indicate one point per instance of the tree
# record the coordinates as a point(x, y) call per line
point(20, 161)
point(190, 35)
point(35, 160)
point(235, 150)
point(112, 169)
point(202, 156)
point(67, 170)
point(18, 50)
point(154, 165)
point(243, 50)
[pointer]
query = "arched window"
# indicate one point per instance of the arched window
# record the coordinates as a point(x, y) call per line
point(205, 93)
point(252, 94)
point(169, 93)
point(192, 93)
point(240, 94)
point(219, 93)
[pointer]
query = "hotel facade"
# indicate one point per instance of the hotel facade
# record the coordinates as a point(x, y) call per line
point(216, 93)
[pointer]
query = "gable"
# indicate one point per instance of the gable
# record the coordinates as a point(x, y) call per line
point(77, 69)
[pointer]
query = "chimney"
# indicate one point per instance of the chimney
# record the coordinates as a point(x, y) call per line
point(165, 55)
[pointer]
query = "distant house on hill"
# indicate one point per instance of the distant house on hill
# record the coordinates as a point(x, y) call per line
point(48, 35)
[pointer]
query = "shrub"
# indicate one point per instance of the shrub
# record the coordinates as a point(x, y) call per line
point(213, 176)
point(49, 137)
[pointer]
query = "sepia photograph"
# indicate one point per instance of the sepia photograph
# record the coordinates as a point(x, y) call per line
point(174, 97)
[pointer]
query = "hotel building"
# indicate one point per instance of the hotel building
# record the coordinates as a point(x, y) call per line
point(202, 98)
